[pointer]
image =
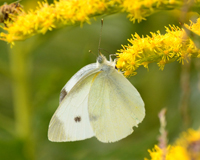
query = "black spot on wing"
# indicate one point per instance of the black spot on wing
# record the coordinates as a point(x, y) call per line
point(63, 93)
point(77, 119)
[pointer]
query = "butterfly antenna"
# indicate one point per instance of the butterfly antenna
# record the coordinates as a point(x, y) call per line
point(100, 37)
point(90, 51)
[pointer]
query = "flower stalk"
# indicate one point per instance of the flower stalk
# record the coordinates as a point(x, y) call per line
point(19, 65)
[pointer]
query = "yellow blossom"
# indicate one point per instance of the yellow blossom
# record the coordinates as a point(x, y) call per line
point(49, 16)
point(177, 153)
point(138, 10)
point(156, 153)
point(63, 12)
point(186, 147)
point(190, 140)
point(162, 49)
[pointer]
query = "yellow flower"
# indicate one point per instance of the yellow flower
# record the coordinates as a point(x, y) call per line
point(65, 12)
point(190, 140)
point(186, 147)
point(138, 10)
point(157, 153)
point(172, 153)
point(162, 49)
point(49, 16)
point(177, 153)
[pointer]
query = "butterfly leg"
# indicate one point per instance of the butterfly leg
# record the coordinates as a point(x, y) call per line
point(110, 56)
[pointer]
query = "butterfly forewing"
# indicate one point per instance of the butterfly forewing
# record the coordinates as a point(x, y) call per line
point(75, 78)
point(114, 106)
point(71, 120)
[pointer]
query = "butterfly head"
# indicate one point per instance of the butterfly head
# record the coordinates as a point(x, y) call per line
point(102, 61)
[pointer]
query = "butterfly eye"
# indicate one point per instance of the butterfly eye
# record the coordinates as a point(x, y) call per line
point(77, 119)
point(100, 59)
point(116, 68)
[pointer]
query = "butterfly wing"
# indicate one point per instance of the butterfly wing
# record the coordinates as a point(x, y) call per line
point(75, 78)
point(114, 106)
point(71, 120)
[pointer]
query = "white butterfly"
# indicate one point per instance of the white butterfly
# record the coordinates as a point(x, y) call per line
point(97, 101)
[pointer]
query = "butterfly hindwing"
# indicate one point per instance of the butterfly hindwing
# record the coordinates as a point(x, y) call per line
point(114, 106)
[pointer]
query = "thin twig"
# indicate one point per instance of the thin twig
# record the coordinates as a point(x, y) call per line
point(185, 94)
point(163, 133)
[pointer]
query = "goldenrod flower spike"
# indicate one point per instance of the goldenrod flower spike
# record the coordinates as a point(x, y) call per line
point(156, 153)
point(49, 16)
point(185, 148)
point(162, 49)
point(67, 12)
point(139, 9)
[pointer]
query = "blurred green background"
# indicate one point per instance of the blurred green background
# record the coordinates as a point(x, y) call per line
point(49, 61)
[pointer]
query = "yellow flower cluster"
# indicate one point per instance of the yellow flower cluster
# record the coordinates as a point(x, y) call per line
point(187, 147)
point(172, 46)
point(65, 12)
point(46, 17)
point(138, 10)
point(156, 153)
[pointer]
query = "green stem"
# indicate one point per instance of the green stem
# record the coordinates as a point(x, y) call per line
point(185, 95)
point(21, 100)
